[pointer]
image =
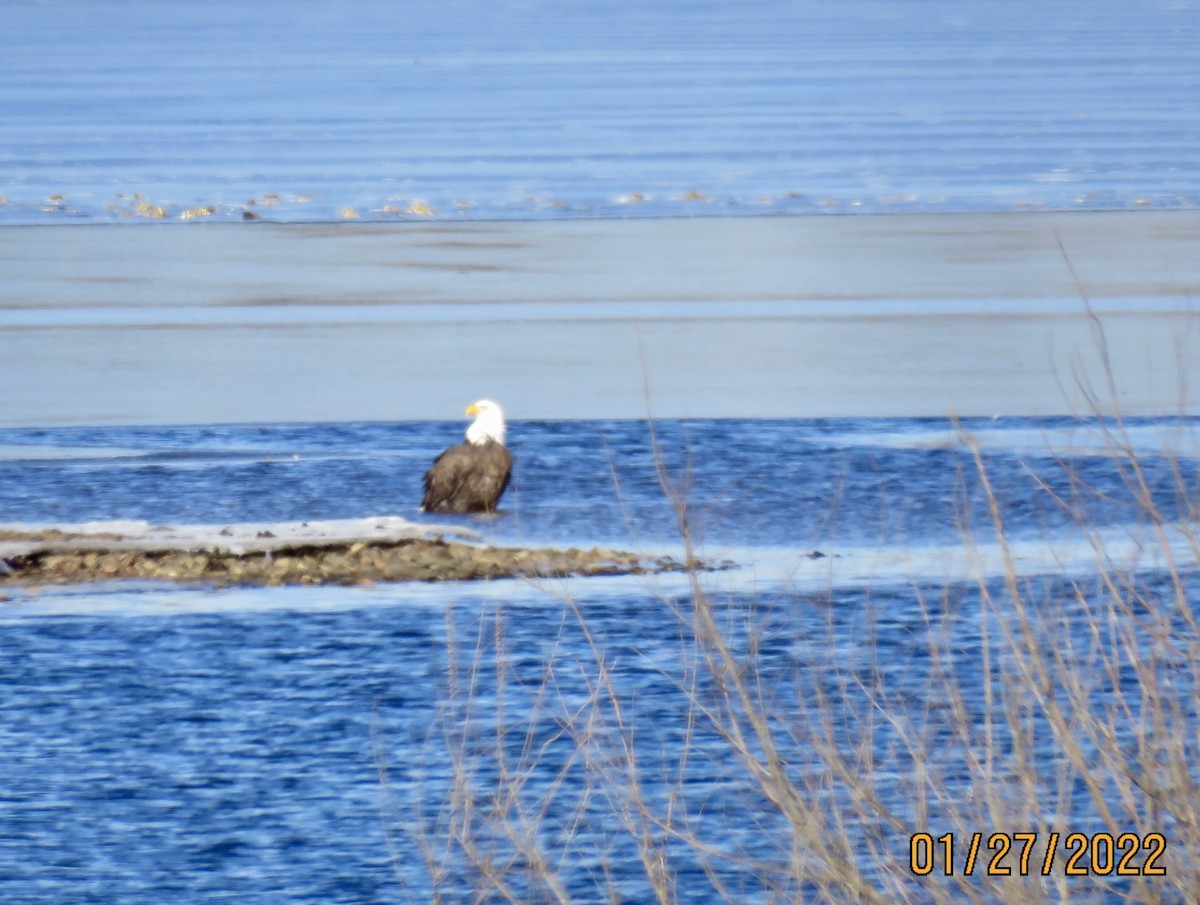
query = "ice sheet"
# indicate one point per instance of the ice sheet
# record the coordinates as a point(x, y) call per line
point(798, 317)
point(235, 537)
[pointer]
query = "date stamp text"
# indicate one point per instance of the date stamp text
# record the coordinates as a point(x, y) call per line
point(1028, 854)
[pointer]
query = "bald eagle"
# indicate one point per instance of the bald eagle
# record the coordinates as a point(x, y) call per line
point(471, 476)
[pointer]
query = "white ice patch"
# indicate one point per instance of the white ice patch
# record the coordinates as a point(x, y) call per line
point(1180, 440)
point(1117, 551)
point(19, 451)
point(235, 537)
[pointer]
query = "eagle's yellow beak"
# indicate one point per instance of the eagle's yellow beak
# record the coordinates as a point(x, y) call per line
point(472, 410)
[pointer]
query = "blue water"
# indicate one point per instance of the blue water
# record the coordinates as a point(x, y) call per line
point(292, 745)
point(748, 482)
point(540, 109)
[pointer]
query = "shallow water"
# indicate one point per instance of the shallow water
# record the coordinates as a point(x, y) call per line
point(164, 743)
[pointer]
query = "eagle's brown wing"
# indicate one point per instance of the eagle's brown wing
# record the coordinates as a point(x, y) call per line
point(467, 478)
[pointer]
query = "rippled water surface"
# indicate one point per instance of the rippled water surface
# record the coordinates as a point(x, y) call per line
point(182, 745)
point(749, 482)
point(315, 110)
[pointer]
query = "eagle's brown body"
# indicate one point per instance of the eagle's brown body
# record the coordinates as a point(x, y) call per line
point(468, 477)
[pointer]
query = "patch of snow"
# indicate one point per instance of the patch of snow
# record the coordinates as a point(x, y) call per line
point(237, 537)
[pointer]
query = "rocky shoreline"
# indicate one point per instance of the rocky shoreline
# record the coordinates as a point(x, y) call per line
point(290, 555)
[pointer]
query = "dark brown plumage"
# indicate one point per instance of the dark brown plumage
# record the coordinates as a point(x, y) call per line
point(468, 477)
point(471, 476)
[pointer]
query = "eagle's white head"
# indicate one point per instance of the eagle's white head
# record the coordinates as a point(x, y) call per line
point(488, 423)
